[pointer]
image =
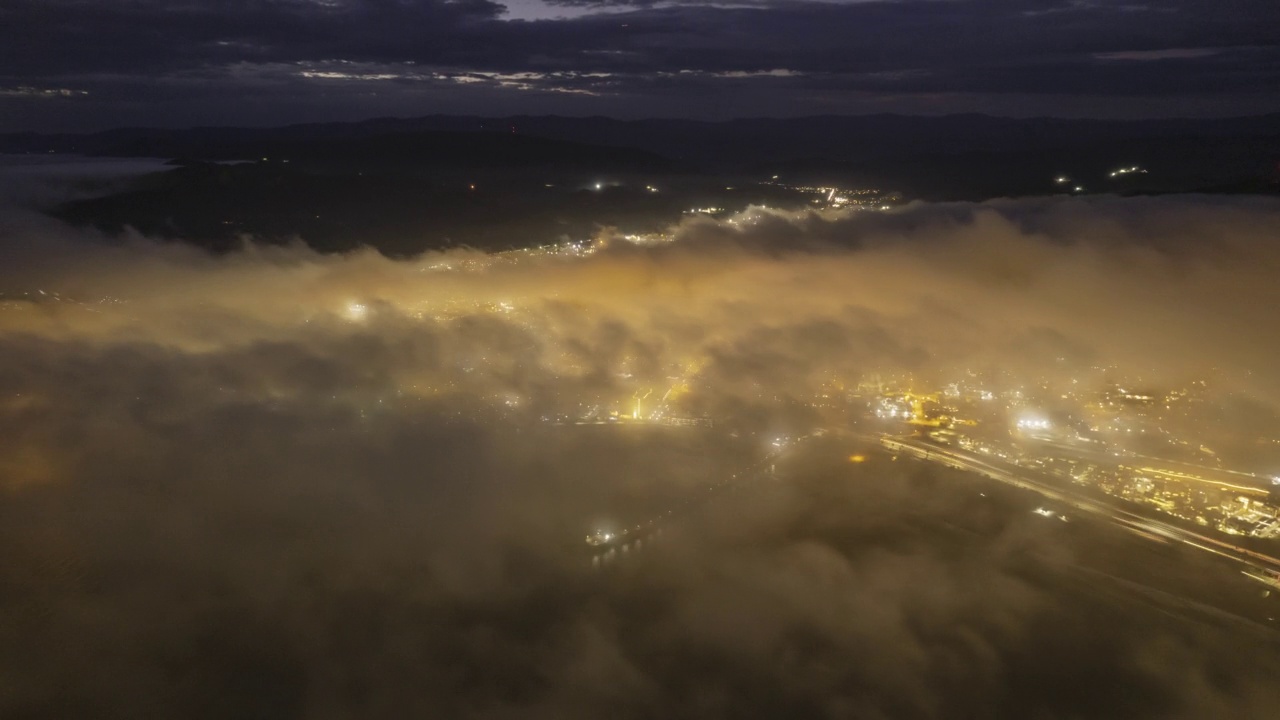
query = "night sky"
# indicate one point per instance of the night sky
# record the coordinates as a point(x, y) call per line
point(84, 64)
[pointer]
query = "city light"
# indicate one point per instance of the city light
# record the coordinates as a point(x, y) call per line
point(297, 422)
point(356, 312)
point(1033, 423)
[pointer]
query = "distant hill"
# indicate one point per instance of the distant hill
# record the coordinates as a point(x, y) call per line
point(754, 140)
point(344, 146)
point(947, 157)
point(831, 136)
point(405, 185)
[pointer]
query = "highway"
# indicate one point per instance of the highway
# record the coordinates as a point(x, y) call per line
point(1203, 473)
point(633, 538)
point(1020, 478)
point(606, 548)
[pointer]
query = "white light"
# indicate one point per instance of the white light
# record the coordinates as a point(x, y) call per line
point(1033, 423)
point(357, 311)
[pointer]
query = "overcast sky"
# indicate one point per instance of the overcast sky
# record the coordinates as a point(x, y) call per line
point(85, 64)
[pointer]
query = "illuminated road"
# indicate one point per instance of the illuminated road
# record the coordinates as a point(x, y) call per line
point(1203, 473)
point(1021, 479)
point(618, 545)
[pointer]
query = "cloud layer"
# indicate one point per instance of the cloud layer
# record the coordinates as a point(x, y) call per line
point(261, 61)
point(284, 484)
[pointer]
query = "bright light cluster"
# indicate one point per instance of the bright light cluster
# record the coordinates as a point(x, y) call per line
point(1033, 423)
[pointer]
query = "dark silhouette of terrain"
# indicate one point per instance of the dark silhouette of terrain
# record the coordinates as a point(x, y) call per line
point(405, 185)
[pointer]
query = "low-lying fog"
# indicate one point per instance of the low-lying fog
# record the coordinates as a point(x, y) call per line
point(276, 483)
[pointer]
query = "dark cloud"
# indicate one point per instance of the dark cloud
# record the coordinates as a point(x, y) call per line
point(156, 61)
